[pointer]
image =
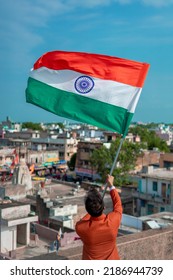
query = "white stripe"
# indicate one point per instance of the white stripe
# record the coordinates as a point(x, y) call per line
point(111, 92)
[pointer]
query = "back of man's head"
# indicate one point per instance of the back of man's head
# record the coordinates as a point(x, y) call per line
point(94, 203)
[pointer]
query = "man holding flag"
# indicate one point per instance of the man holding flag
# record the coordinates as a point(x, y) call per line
point(100, 90)
point(98, 231)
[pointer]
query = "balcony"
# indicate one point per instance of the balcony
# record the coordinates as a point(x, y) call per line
point(151, 197)
point(84, 156)
point(23, 150)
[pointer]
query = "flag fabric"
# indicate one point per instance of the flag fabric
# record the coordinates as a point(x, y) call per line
point(91, 88)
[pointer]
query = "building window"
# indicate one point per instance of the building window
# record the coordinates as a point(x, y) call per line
point(168, 193)
point(150, 209)
point(162, 209)
point(155, 186)
point(142, 203)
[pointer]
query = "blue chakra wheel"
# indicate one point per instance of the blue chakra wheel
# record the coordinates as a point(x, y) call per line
point(84, 84)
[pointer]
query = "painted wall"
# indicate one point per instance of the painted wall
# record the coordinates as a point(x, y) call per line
point(131, 221)
point(147, 186)
point(8, 239)
point(64, 211)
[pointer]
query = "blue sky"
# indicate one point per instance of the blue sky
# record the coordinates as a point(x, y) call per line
point(140, 30)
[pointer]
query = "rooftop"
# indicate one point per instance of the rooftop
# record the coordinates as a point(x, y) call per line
point(162, 219)
point(41, 252)
point(153, 244)
point(10, 203)
point(63, 193)
point(148, 244)
point(159, 173)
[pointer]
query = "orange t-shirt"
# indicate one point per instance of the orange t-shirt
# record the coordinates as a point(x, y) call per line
point(99, 233)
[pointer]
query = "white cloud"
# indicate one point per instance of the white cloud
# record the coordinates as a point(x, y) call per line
point(159, 21)
point(22, 21)
point(158, 3)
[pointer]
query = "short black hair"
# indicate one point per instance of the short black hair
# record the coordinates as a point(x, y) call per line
point(94, 203)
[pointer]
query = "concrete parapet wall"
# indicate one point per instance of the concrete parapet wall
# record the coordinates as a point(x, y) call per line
point(66, 210)
point(45, 232)
point(16, 212)
point(147, 245)
point(131, 221)
point(4, 257)
point(15, 192)
point(50, 234)
point(71, 184)
point(69, 238)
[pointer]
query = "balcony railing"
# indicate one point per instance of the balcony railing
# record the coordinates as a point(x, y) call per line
point(151, 197)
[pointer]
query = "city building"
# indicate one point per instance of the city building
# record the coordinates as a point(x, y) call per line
point(148, 237)
point(155, 191)
point(147, 158)
point(83, 166)
point(166, 160)
point(7, 156)
point(15, 218)
point(165, 133)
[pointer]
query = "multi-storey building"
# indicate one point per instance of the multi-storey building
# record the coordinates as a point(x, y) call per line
point(155, 192)
point(83, 166)
point(15, 219)
point(39, 147)
point(166, 160)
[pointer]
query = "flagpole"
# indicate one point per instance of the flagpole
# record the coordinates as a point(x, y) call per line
point(114, 163)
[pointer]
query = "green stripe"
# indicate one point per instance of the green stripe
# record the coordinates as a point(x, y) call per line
point(77, 107)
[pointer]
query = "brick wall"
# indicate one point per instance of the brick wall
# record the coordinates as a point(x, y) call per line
point(148, 158)
point(168, 157)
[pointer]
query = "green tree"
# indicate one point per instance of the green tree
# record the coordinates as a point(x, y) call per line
point(31, 125)
point(72, 161)
point(61, 125)
point(150, 137)
point(102, 160)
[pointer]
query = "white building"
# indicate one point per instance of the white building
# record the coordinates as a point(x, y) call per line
point(15, 219)
point(155, 192)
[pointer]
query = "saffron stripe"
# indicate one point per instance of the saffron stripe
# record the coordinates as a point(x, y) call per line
point(99, 66)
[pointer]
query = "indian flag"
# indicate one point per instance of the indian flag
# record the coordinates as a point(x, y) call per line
point(91, 88)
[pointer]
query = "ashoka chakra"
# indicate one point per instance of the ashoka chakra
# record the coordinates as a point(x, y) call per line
point(84, 84)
